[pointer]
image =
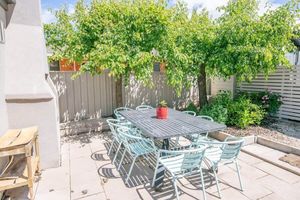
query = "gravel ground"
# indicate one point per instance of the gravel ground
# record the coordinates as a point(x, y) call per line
point(275, 130)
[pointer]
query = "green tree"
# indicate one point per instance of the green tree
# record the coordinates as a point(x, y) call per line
point(115, 35)
point(120, 35)
point(241, 42)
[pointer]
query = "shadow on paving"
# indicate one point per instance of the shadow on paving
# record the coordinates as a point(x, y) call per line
point(143, 172)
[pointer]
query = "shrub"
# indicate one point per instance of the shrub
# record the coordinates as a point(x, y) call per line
point(268, 100)
point(192, 107)
point(217, 108)
point(216, 111)
point(223, 98)
point(242, 113)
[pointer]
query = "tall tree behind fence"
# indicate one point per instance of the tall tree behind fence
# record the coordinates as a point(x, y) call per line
point(94, 96)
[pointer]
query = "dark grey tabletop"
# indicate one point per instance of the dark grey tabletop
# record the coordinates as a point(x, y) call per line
point(177, 124)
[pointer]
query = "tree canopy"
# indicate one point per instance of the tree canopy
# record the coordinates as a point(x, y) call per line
point(128, 36)
point(117, 35)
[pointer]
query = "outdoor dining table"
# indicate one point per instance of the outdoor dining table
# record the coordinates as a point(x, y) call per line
point(177, 124)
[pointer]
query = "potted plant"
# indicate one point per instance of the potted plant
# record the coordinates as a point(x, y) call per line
point(162, 110)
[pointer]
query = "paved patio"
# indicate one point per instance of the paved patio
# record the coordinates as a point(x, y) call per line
point(87, 173)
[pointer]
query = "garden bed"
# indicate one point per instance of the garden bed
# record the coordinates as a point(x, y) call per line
point(266, 131)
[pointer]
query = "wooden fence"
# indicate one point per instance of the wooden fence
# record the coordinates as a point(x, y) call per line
point(284, 81)
point(94, 96)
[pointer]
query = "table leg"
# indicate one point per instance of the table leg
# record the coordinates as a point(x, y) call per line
point(159, 177)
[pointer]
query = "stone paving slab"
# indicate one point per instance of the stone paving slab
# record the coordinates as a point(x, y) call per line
point(272, 196)
point(257, 149)
point(278, 172)
point(280, 188)
point(248, 159)
point(271, 155)
point(86, 166)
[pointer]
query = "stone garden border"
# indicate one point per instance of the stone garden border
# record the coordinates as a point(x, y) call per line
point(268, 143)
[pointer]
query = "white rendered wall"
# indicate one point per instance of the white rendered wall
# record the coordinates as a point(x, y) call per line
point(218, 84)
point(3, 113)
point(30, 100)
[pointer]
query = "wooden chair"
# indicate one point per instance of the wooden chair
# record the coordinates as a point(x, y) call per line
point(21, 146)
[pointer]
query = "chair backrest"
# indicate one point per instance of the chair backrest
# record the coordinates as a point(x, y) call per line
point(231, 147)
point(117, 112)
point(129, 139)
point(184, 161)
point(143, 107)
point(189, 112)
point(114, 124)
point(206, 117)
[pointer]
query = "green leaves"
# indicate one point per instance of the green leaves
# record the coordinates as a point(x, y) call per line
point(248, 43)
point(240, 111)
point(119, 35)
point(114, 35)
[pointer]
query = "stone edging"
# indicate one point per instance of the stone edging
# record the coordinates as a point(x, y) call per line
point(278, 146)
point(265, 142)
point(297, 172)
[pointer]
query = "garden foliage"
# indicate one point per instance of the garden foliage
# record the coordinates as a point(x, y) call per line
point(242, 110)
point(268, 100)
point(126, 37)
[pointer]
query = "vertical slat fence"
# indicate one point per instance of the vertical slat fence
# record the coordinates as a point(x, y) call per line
point(283, 81)
point(84, 97)
point(94, 96)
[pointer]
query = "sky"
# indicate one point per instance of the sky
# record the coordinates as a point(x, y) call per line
point(210, 5)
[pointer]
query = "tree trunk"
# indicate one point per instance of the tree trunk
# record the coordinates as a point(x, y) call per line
point(202, 86)
point(119, 98)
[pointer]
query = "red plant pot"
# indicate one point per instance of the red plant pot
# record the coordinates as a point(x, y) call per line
point(162, 113)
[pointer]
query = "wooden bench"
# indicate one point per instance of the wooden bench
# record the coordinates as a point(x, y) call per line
point(21, 146)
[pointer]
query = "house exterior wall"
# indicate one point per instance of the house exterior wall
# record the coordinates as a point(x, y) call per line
point(3, 113)
point(29, 98)
point(218, 84)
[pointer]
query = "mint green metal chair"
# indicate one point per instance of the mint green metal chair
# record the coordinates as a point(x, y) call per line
point(189, 112)
point(181, 163)
point(116, 138)
point(136, 146)
point(206, 117)
point(144, 107)
point(196, 137)
point(117, 112)
point(223, 153)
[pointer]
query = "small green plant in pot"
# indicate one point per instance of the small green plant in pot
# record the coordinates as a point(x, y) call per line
point(162, 110)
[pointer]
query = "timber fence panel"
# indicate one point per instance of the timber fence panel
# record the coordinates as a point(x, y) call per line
point(283, 81)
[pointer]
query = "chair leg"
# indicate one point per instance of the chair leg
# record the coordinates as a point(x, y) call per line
point(116, 153)
point(175, 187)
point(206, 135)
point(155, 171)
point(131, 167)
point(203, 184)
point(239, 175)
point(177, 141)
point(111, 145)
point(123, 155)
point(217, 182)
